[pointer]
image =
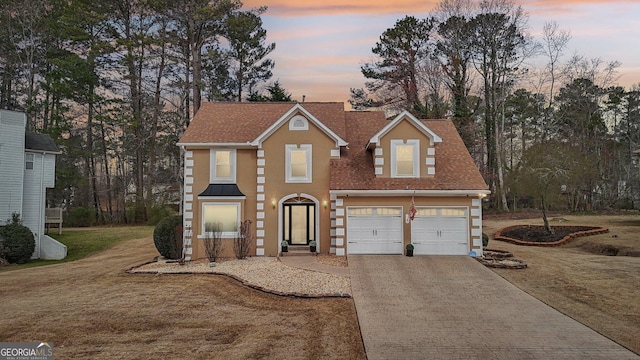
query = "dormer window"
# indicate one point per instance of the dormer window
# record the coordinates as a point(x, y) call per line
point(223, 166)
point(405, 158)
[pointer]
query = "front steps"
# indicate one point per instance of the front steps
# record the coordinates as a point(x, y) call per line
point(298, 250)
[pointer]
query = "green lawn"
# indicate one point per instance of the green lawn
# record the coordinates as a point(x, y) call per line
point(82, 242)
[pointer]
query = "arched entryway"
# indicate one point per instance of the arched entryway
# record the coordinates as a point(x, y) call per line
point(298, 219)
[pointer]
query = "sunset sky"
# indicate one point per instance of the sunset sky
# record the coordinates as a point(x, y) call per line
point(320, 45)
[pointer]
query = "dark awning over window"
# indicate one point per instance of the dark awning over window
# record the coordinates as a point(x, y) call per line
point(222, 190)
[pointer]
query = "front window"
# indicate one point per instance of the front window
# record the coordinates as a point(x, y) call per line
point(223, 166)
point(405, 158)
point(224, 216)
point(298, 163)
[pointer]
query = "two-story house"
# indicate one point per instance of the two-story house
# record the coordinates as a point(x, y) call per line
point(355, 182)
point(27, 169)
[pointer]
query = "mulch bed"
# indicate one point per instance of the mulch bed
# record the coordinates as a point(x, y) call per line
point(536, 235)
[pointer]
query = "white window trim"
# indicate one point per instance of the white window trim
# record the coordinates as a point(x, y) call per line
point(226, 234)
point(298, 179)
point(213, 178)
point(416, 158)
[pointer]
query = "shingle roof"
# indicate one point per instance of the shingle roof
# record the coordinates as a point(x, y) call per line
point(244, 122)
point(455, 169)
point(39, 142)
point(233, 122)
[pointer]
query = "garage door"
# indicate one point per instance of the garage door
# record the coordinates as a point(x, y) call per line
point(440, 231)
point(374, 230)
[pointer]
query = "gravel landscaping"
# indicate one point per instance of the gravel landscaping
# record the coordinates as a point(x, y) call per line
point(264, 273)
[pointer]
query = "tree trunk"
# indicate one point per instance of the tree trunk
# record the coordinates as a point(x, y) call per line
point(157, 104)
point(91, 162)
point(547, 227)
point(107, 175)
point(135, 88)
point(197, 78)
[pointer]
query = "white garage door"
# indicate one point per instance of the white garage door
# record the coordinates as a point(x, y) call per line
point(440, 231)
point(374, 230)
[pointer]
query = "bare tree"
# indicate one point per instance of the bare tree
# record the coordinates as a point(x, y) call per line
point(243, 240)
point(554, 42)
point(213, 241)
point(596, 70)
point(446, 9)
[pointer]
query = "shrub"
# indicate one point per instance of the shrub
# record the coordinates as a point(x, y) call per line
point(16, 242)
point(485, 240)
point(80, 217)
point(167, 237)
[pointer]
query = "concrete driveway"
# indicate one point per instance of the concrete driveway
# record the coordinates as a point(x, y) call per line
point(452, 307)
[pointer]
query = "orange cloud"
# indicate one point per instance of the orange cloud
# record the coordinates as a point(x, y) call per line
point(573, 2)
point(336, 7)
point(290, 8)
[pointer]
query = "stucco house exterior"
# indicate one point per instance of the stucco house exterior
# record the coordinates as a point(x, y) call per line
point(27, 170)
point(355, 182)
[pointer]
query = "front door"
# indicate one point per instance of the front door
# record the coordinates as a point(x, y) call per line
point(299, 223)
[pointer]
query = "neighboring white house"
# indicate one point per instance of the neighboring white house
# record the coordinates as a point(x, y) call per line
point(27, 169)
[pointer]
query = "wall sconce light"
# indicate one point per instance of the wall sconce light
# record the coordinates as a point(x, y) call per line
point(324, 203)
point(273, 203)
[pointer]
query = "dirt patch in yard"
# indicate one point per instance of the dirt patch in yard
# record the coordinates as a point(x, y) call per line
point(600, 291)
point(92, 308)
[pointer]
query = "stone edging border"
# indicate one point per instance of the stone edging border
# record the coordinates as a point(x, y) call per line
point(238, 279)
point(497, 254)
point(496, 263)
point(593, 231)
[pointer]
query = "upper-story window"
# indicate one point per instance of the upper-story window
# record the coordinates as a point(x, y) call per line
point(223, 166)
point(28, 161)
point(405, 158)
point(298, 163)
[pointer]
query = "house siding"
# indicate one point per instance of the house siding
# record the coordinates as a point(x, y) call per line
point(34, 198)
point(23, 190)
point(12, 129)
